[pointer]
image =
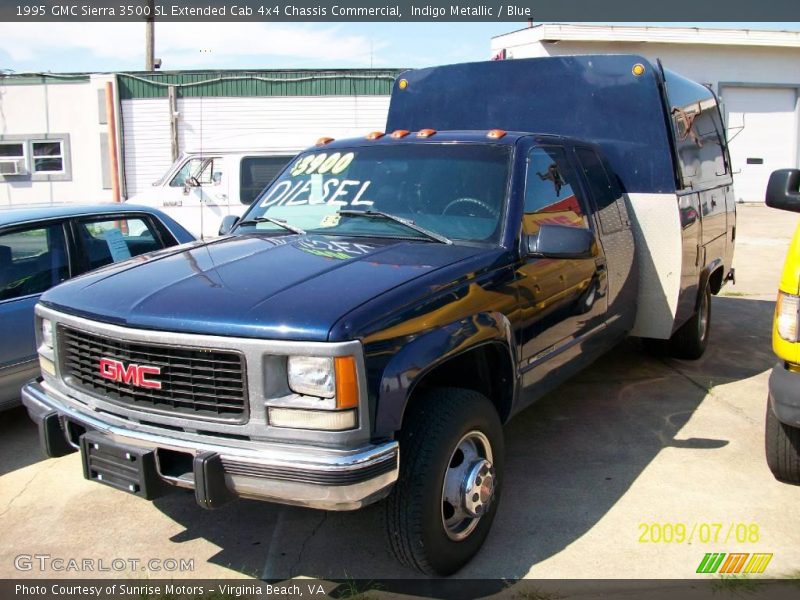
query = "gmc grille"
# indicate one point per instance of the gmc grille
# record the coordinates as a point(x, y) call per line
point(205, 383)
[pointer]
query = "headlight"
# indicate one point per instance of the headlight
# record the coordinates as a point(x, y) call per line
point(312, 375)
point(786, 313)
point(47, 333)
point(326, 420)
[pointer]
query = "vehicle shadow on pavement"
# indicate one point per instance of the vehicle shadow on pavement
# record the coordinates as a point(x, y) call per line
point(569, 460)
point(19, 440)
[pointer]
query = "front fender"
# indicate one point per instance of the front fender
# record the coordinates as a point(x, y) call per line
point(424, 352)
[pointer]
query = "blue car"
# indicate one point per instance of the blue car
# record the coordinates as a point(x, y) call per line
point(43, 246)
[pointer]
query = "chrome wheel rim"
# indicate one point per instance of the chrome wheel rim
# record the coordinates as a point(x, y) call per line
point(468, 487)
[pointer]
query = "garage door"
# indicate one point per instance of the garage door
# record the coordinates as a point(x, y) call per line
point(762, 127)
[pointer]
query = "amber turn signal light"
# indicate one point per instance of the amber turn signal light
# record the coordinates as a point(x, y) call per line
point(346, 382)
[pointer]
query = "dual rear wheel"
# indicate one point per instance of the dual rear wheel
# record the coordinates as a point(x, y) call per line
point(690, 341)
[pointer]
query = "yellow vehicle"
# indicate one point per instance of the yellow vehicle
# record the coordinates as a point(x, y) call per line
point(783, 410)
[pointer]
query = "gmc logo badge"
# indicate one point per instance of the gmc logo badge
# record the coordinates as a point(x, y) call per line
point(135, 375)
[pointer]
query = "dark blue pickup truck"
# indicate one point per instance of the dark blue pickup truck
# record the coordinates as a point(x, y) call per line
point(388, 302)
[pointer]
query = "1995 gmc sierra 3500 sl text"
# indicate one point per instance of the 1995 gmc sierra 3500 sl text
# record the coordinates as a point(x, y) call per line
point(388, 302)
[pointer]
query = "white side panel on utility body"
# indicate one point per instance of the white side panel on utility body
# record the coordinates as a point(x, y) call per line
point(657, 228)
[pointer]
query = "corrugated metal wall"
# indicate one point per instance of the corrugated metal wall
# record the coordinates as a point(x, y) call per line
point(282, 125)
point(343, 82)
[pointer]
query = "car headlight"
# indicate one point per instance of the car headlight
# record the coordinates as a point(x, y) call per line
point(329, 378)
point(312, 376)
point(786, 316)
point(47, 333)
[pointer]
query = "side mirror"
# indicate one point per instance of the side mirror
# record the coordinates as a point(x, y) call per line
point(561, 241)
point(782, 190)
point(228, 223)
point(189, 183)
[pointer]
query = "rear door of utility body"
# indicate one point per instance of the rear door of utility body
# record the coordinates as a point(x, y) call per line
point(562, 302)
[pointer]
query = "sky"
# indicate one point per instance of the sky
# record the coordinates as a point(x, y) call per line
point(102, 47)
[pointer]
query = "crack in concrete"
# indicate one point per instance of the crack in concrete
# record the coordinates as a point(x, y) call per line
point(672, 367)
point(24, 488)
point(313, 533)
point(710, 391)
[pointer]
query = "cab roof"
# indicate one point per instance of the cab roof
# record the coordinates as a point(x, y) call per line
point(507, 138)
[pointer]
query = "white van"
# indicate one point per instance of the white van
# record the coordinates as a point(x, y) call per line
point(200, 188)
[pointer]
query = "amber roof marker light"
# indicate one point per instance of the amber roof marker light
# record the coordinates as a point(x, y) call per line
point(324, 140)
point(496, 134)
point(400, 133)
point(426, 133)
point(375, 135)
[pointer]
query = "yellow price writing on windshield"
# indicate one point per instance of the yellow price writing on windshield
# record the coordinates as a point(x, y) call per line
point(322, 163)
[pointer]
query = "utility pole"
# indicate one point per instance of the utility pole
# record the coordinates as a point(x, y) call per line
point(150, 38)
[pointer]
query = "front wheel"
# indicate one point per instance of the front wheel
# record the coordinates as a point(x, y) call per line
point(451, 472)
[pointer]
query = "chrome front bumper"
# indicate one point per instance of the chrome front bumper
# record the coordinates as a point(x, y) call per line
point(324, 478)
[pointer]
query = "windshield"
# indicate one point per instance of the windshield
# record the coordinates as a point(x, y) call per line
point(456, 191)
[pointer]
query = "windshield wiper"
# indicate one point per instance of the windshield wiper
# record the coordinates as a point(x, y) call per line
point(278, 222)
point(377, 214)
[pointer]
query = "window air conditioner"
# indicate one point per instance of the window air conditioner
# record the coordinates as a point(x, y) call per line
point(13, 166)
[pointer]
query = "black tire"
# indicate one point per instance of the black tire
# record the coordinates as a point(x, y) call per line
point(783, 448)
point(690, 341)
point(437, 421)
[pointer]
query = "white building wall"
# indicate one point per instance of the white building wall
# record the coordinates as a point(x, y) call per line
point(700, 62)
point(722, 59)
point(72, 108)
point(282, 125)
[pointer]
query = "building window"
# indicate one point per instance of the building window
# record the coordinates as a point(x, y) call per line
point(12, 159)
point(35, 157)
point(12, 151)
point(48, 157)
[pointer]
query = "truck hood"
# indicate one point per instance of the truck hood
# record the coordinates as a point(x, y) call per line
point(291, 287)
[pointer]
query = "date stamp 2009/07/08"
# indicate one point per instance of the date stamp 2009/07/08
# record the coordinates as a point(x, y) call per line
point(699, 532)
